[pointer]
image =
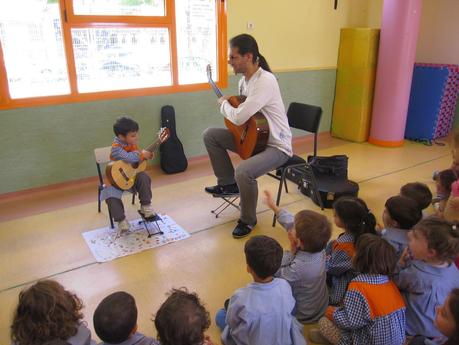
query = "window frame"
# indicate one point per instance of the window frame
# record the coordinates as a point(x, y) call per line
point(69, 20)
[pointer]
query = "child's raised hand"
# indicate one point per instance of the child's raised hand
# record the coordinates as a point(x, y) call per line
point(293, 241)
point(268, 199)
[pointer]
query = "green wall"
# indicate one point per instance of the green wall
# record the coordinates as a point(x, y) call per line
point(52, 144)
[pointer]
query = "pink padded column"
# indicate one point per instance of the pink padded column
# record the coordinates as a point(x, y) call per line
point(397, 51)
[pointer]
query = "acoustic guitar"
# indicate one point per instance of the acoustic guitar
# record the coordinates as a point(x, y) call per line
point(122, 174)
point(251, 137)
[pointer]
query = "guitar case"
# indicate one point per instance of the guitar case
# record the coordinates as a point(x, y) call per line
point(172, 156)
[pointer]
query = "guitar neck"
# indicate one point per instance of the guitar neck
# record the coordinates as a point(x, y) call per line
point(154, 146)
point(214, 86)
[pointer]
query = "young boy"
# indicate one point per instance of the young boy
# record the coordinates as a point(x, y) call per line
point(304, 265)
point(261, 312)
point(115, 321)
point(124, 147)
point(182, 319)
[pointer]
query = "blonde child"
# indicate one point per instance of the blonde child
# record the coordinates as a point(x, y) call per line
point(304, 265)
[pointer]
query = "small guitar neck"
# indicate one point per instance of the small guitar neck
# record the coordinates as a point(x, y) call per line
point(154, 146)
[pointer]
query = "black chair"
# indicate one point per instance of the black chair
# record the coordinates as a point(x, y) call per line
point(102, 157)
point(307, 118)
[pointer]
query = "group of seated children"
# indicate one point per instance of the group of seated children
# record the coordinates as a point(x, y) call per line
point(47, 314)
point(392, 285)
point(381, 285)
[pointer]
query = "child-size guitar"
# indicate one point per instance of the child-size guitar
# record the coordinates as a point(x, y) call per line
point(251, 137)
point(122, 174)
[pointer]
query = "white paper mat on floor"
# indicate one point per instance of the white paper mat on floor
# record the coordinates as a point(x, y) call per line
point(105, 247)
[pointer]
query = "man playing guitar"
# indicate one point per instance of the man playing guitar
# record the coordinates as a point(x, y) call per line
point(260, 87)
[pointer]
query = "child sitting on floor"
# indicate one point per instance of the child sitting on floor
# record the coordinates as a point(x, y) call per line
point(261, 312)
point(444, 181)
point(373, 311)
point(304, 265)
point(47, 312)
point(420, 193)
point(426, 280)
point(446, 321)
point(115, 321)
point(182, 319)
point(400, 215)
point(352, 215)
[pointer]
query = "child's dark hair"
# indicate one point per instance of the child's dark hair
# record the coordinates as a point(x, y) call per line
point(355, 216)
point(446, 179)
point(454, 308)
point(115, 317)
point(405, 211)
point(247, 44)
point(46, 311)
point(124, 125)
point(441, 235)
point(313, 229)
point(263, 255)
point(182, 319)
point(418, 192)
point(374, 255)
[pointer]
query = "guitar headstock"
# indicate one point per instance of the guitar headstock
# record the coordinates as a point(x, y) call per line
point(209, 72)
point(163, 134)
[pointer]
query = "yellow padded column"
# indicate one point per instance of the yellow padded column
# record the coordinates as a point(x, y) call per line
point(355, 79)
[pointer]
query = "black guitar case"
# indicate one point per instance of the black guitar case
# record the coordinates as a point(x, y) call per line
point(173, 159)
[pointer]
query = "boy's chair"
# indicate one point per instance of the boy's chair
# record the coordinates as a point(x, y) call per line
point(102, 157)
point(307, 118)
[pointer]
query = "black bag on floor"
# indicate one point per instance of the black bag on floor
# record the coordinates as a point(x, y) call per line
point(330, 175)
point(172, 156)
point(333, 166)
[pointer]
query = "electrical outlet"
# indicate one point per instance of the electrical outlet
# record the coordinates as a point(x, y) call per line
point(250, 25)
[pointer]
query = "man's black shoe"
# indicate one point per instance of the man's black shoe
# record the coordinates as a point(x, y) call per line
point(219, 190)
point(242, 230)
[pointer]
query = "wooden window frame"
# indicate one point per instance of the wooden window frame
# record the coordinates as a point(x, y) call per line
point(69, 20)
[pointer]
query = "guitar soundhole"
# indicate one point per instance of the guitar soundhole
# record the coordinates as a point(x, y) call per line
point(123, 174)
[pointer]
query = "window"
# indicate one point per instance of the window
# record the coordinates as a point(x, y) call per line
point(61, 51)
point(33, 49)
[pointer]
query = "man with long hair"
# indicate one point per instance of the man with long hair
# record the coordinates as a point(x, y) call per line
point(260, 87)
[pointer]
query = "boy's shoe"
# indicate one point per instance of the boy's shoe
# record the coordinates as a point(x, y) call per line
point(147, 211)
point(123, 227)
point(316, 337)
point(219, 190)
point(242, 230)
